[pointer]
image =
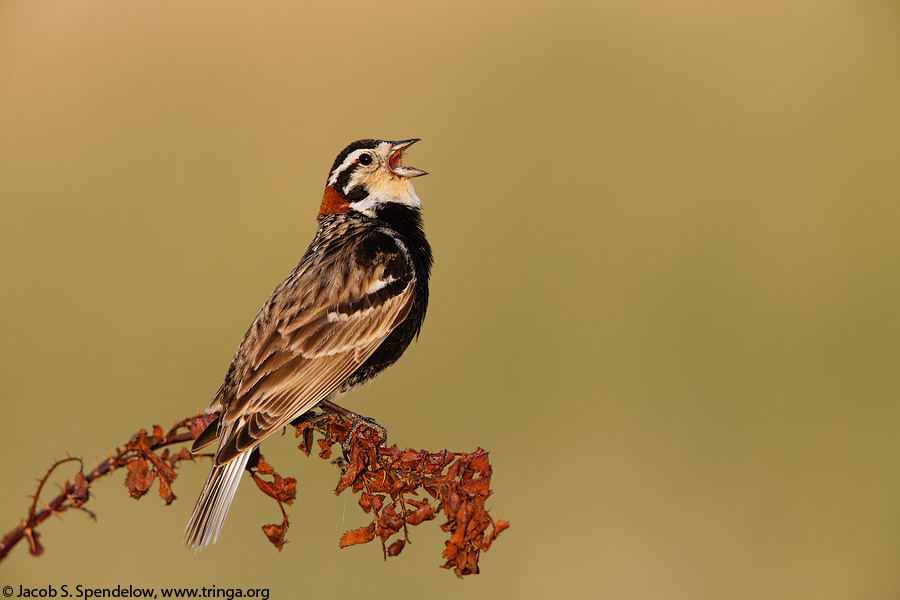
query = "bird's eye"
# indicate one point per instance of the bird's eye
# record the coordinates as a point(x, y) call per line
point(365, 159)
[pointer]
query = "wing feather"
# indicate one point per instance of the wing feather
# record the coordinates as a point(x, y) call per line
point(317, 328)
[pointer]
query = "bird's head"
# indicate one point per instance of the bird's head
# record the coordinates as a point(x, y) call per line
point(369, 174)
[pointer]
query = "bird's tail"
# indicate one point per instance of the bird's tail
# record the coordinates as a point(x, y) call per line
point(209, 514)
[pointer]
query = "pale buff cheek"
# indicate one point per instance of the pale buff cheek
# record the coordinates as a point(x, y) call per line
point(385, 186)
point(388, 186)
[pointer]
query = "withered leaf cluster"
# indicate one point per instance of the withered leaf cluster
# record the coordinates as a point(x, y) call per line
point(282, 490)
point(145, 465)
point(399, 488)
point(403, 488)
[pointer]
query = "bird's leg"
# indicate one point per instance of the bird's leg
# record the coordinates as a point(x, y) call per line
point(356, 419)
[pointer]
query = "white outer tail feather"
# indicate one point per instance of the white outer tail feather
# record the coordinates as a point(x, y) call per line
point(212, 507)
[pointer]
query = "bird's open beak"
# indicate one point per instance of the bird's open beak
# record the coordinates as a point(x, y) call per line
point(395, 163)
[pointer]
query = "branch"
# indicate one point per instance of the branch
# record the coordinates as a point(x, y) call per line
point(134, 456)
point(388, 480)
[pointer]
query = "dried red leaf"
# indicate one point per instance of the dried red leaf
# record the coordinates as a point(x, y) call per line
point(486, 542)
point(354, 468)
point(280, 488)
point(458, 536)
point(436, 462)
point(389, 522)
point(471, 563)
point(165, 491)
point(138, 441)
point(183, 454)
point(288, 492)
point(139, 477)
point(358, 536)
point(275, 533)
point(477, 487)
point(479, 461)
point(476, 526)
point(326, 449)
point(424, 512)
point(410, 459)
point(396, 548)
point(380, 481)
point(451, 503)
point(262, 467)
point(163, 468)
point(80, 492)
point(454, 467)
point(365, 502)
point(450, 551)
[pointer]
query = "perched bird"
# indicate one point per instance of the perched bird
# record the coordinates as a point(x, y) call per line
point(344, 314)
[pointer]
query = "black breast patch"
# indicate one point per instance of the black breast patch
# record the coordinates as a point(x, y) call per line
point(380, 249)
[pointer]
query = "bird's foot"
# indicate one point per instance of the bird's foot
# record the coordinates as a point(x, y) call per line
point(356, 421)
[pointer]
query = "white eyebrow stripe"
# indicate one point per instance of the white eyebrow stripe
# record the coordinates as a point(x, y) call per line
point(351, 158)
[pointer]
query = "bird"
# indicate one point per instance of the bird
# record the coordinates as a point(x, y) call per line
point(346, 312)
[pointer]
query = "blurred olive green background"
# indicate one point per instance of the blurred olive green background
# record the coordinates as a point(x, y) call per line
point(665, 297)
